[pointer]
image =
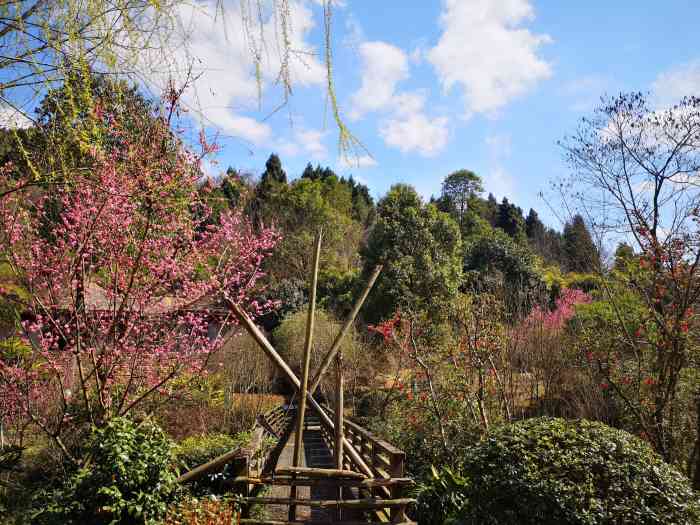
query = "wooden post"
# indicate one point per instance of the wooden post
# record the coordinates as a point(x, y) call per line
point(305, 372)
point(396, 470)
point(339, 423)
point(344, 330)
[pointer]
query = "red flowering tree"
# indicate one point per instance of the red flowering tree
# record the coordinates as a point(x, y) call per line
point(452, 378)
point(636, 169)
point(125, 274)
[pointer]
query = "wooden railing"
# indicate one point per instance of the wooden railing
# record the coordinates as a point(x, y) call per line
point(385, 460)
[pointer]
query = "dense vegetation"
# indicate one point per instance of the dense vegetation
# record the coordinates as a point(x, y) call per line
point(119, 255)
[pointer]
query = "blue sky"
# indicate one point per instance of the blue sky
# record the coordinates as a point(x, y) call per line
point(430, 87)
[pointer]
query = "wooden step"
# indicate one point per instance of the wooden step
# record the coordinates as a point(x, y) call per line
point(301, 481)
point(321, 472)
point(362, 504)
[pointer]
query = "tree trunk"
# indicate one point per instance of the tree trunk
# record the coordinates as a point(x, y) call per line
point(696, 450)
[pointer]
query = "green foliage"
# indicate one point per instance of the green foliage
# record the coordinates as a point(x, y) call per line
point(440, 497)
point(624, 254)
point(544, 471)
point(299, 210)
point(336, 291)
point(73, 118)
point(496, 262)
point(557, 281)
point(581, 252)
point(420, 248)
point(510, 219)
point(197, 450)
point(289, 341)
point(292, 295)
point(273, 172)
point(362, 203)
point(458, 189)
point(534, 228)
point(127, 479)
point(236, 188)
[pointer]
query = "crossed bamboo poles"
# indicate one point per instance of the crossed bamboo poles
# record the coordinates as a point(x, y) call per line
point(302, 386)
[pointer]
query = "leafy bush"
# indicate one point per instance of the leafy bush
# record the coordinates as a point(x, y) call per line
point(440, 497)
point(128, 478)
point(579, 472)
point(197, 450)
point(496, 262)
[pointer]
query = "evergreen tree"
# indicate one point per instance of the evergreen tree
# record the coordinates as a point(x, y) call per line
point(272, 180)
point(363, 209)
point(490, 213)
point(309, 172)
point(579, 248)
point(510, 219)
point(273, 171)
point(534, 229)
point(420, 248)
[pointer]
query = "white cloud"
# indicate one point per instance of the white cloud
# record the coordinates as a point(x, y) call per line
point(416, 132)
point(405, 125)
point(383, 66)
point(11, 118)
point(362, 161)
point(499, 145)
point(671, 86)
point(215, 44)
point(484, 50)
point(305, 141)
point(585, 92)
point(499, 182)
point(311, 140)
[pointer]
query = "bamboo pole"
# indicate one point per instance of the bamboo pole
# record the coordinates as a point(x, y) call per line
point(339, 423)
point(344, 330)
point(339, 433)
point(301, 411)
point(320, 472)
point(360, 504)
point(269, 350)
point(215, 464)
point(319, 480)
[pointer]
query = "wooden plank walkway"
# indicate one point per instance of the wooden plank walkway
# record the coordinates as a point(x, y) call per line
point(316, 455)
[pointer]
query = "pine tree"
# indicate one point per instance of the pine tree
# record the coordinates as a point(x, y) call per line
point(272, 179)
point(510, 219)
point(273, 171)
point(580, 250)
point(491, 210)
point(534, 229)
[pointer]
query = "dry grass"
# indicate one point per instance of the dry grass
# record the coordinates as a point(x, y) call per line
point(202, 512)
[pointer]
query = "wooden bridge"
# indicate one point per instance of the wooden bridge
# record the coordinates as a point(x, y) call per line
point(316, 491)
point(323, 467)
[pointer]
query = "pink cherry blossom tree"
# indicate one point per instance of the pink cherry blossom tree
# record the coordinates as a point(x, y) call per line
point(126, 278)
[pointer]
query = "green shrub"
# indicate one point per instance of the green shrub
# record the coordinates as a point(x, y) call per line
point(579, 472)
point(197, 450)
point(440, 497)
point(128, 479)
